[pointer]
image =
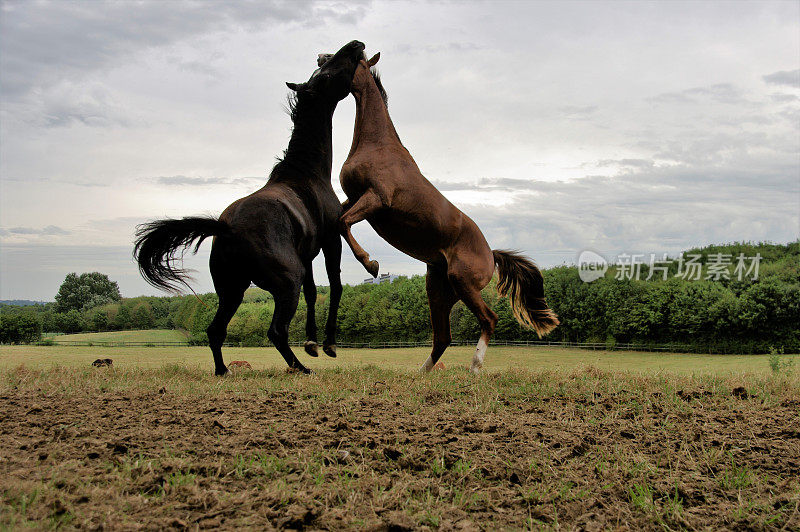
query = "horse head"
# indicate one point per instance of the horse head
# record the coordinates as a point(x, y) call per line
point(333, 79)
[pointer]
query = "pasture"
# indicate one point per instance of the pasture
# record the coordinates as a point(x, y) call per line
point(151, 335)
point(498, 358)
point(546, 439)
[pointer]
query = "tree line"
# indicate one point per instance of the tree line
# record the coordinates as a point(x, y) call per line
point(722, 313)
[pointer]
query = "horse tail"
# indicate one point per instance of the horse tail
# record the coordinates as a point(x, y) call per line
point(521, 280)
point(157, 244)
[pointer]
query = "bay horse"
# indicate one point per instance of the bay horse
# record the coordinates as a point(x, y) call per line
point(385, 187)
point(271, 236)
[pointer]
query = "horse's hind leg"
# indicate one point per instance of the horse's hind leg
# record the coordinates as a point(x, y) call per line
point(441, 299)
point(230, 290)
point(287, 294)
point(310, 294)
point(468, 288)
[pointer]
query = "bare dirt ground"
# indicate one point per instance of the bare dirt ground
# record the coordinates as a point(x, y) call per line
point(385, 450)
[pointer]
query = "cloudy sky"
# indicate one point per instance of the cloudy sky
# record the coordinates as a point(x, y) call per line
point(611, 126)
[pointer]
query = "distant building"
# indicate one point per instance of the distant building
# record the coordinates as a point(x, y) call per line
point(382, 278)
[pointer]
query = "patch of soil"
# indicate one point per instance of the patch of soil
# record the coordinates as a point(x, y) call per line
point(292, 461)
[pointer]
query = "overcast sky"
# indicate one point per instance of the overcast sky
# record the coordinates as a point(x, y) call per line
point(558, 127)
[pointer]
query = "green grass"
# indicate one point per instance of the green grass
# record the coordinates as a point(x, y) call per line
point(151, 335)
point(409, 359)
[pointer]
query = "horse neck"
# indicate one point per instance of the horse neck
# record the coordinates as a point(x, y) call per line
point(373, 124)
point(311, 144)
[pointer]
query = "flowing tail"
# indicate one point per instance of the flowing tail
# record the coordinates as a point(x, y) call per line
point(158, 243)
point(522, 282)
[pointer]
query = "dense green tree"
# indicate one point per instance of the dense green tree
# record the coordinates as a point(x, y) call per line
point(142, 316)
point(85, 291)
point(69, 322)
point(98, 320)
point(122, 320)
point(20, 327)
point(724, 315)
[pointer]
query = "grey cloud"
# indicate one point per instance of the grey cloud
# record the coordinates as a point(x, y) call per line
point(720, 92)
point(792, 116)
point(491, 184)
point(630, 163)
point(712, 149)
point(417, 49)
point(45, 42)
point(578, 112)
point(202, 68)
point(182, 180)
point(51, 263)
point(789, 78)
point(656, 210)
point(65, 104)
point(452, 185)
point(342, 13)
point(648, 183)
point(505, 183)
point(49, 230)
point(784, 98)
point(87, 184)
point(54, 230)
point(670, 97)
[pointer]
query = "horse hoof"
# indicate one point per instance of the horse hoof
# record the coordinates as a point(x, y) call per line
point(372, 268)
point(330, 350)
point(311, 348)
point(302, 369)
point(221, 373)
point(475, 370)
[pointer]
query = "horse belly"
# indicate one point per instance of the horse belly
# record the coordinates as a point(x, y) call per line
point(415, 239)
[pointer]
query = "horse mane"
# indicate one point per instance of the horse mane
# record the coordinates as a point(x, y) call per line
point(377, 78)
point(292, 102)
point(385, 98)
point(293, 109)
point(291, 106)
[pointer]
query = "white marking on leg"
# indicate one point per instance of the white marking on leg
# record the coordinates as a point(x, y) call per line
point(427, 366)
point(480, 352)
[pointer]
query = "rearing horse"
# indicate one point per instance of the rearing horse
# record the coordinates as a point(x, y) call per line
point(384, 186)
point(271, 236)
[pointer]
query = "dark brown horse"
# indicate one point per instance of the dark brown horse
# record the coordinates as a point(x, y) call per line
point(385, 187)
point(271, 236)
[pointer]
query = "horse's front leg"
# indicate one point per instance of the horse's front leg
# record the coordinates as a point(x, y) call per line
point(333, 260)
point(367, 204)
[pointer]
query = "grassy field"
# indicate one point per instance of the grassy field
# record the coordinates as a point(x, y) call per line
point(497, 359)
point(365, 447)
point(151, 335)
point(546, 439)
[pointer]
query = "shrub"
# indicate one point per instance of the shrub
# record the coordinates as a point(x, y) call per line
point(22, 328)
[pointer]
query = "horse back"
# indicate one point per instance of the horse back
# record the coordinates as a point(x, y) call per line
point(280, 216)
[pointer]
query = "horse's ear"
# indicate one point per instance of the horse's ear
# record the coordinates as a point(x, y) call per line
point(295, 86)
point(374, 61)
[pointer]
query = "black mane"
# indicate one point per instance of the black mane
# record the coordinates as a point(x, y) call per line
point(377, 78)
point(302, 114)
point(291, 106)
